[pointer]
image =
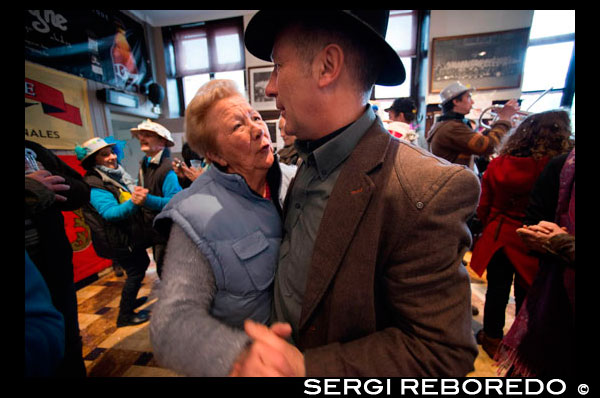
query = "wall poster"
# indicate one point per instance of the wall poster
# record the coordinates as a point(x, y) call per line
point(57, 113)
point(486, 61)
point(102, 45)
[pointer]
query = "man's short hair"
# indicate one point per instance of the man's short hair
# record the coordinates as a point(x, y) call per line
point(316, 33)
point(449, 106)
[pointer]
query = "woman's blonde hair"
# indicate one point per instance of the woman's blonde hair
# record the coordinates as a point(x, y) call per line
point(197, 133)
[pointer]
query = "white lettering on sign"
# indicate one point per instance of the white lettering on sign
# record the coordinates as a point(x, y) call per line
point(29, 89)
point(45, 18)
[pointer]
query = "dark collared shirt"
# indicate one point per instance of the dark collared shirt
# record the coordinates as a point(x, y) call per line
point(321, 164)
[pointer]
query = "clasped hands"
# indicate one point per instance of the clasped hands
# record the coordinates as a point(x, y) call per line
point(138, 196)
point(269, 354)
point(537, 236)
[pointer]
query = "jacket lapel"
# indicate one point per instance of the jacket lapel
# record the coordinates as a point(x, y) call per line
point(343, 213)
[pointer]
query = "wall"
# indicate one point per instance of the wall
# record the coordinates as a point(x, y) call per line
point(101, 112)
point(442, 23)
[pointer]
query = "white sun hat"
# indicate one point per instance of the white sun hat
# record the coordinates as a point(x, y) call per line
point(149, 125)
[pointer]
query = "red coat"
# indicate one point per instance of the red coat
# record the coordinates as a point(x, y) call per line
point(505, 189)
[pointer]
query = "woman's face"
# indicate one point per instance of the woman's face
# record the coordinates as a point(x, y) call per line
point(243, 143)
point(106, 157)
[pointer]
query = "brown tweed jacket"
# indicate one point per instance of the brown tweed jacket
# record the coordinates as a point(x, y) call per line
point(387, 293)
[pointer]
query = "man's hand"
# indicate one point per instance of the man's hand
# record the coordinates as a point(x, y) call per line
point(182, 171)
point(269, 354)
point(191, 172)
point(52, 182)
point(176, 164)
point(508, 110)
point(138, 196)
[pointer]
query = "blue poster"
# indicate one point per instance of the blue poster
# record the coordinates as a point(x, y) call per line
point(101, 45)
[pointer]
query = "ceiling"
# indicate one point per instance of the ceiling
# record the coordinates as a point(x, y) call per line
point(158, 18)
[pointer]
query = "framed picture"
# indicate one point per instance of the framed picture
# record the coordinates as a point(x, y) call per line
point(258, 78)
point(486, 61)
point(272, 125)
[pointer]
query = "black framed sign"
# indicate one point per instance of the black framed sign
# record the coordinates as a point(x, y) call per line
point(486, 61)
point(101, 45)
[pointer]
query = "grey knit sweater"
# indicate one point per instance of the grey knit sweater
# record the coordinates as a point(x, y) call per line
point(184, 335)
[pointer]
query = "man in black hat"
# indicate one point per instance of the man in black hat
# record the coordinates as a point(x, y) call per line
point(369, 280)
point(402, 112)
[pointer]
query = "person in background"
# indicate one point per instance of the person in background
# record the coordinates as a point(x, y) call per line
point(358, 295)
point(157, 175)
point(225, 231)
point(116, 221)
point(185, 170)
point(288, 154)
point(50, 190)
point(452, 137)
point(44, 326)
point(506, 187)
point(402, 113)
point(542, 340)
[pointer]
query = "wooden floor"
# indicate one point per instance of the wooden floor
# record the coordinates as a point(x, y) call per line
point(109, 351)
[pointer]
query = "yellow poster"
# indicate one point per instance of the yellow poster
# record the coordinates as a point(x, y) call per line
point(57, 113)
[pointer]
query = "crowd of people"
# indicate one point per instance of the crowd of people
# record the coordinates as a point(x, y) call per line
point(340, 254)
point(523, 239)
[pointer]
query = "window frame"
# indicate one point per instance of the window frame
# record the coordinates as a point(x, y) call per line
point(212, 29)
point(411, 53)
point(568, 90)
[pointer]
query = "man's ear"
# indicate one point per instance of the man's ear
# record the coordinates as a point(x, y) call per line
point(330, 63)
point(214, 158)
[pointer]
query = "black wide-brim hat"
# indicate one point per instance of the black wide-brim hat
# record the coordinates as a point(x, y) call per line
point(371, 24)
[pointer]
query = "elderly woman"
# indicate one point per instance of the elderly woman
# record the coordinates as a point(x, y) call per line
point(505, 189)
point(225, 231)
point(115, 220)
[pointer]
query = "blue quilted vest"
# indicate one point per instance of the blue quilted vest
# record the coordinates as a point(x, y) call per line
point(239, 233)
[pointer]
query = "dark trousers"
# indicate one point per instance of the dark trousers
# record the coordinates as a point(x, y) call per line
point(72, 364)
point(158, 251)
point(135, 267)
point(500, 273)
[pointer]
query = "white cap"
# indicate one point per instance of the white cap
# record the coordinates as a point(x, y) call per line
point(149, 125)
point(454, 90)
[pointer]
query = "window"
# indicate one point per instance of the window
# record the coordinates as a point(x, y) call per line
point(549, 62)
point(203, 51)
point(402, 36)
point(192, 83)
